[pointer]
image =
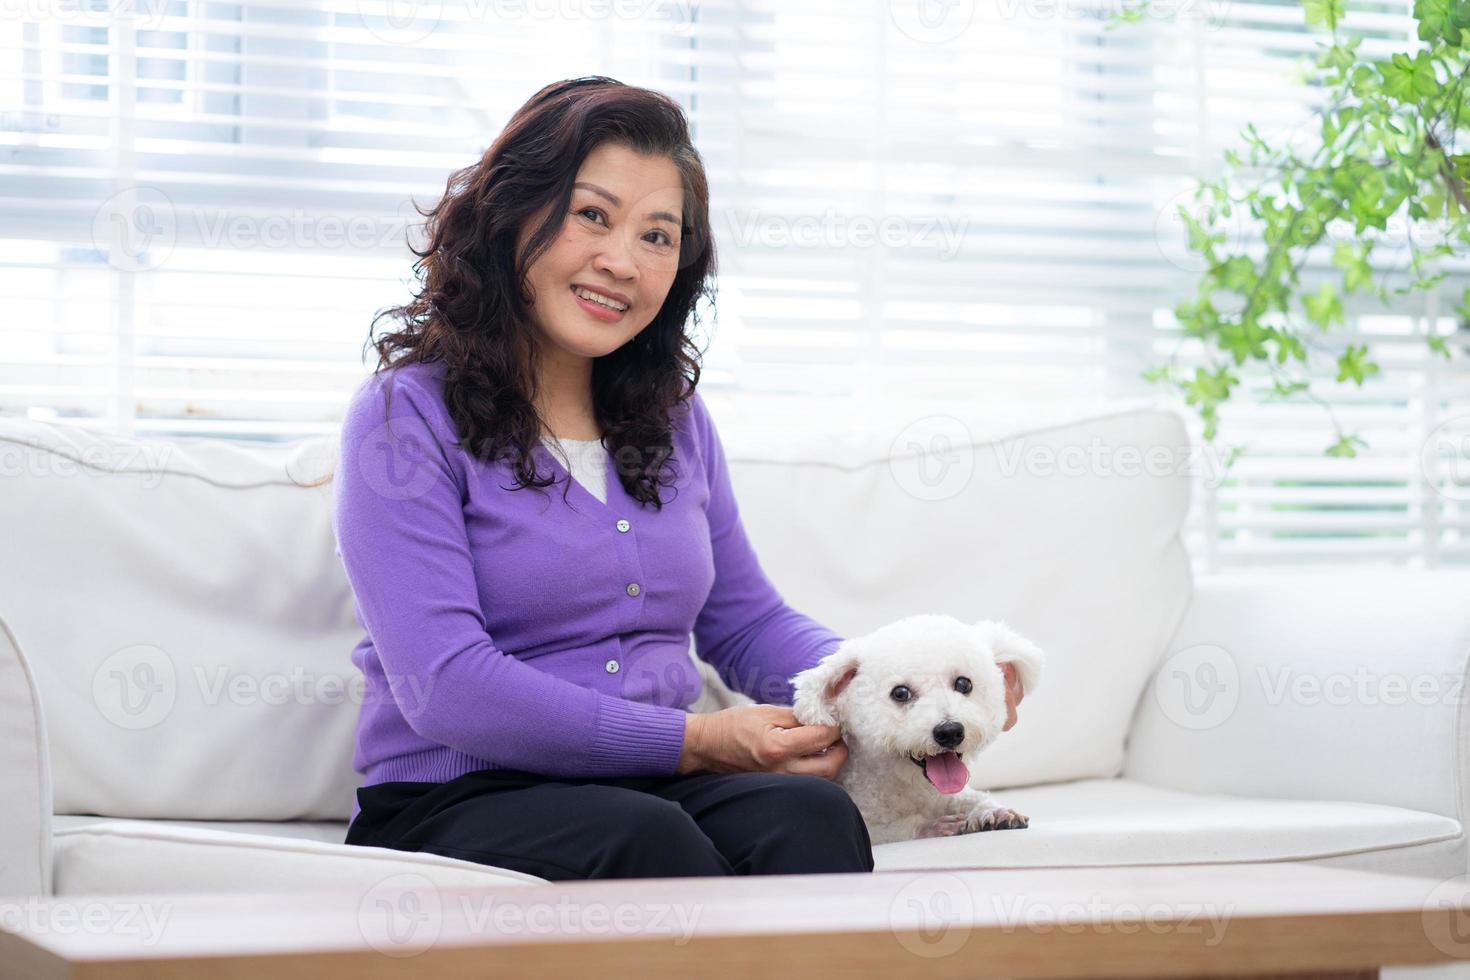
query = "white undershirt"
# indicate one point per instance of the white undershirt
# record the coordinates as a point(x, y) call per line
point(586, 460)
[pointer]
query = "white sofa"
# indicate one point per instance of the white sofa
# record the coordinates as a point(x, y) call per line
point(177, 703)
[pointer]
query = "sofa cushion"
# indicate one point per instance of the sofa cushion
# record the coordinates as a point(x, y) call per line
point(322, 831)
point(1104, 822)
point(187, 620)
point(1087, 823)
point(1070, 529)
point(155, 856)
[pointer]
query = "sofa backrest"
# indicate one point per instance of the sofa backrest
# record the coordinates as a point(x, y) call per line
point(1068, 525)
point(189, 623)
point(187, 619)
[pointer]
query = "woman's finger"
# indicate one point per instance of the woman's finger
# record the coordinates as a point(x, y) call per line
point(806, 739)
point(825, 764)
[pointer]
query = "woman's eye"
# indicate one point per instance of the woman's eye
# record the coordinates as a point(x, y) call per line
point(963, 685)
point(666, 241)
point(900, 693)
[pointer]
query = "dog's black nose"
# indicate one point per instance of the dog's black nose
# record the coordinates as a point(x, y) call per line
point(949, 734)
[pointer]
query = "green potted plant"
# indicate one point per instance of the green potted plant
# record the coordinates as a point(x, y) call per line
point(1386, 154)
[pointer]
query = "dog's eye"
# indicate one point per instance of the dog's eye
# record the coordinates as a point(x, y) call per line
point(901, 693)
point(963, 685)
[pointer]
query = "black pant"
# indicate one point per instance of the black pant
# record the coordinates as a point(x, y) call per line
point(700, 823)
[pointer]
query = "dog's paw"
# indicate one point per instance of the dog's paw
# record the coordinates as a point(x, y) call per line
point(995, 818)
point(946, 826)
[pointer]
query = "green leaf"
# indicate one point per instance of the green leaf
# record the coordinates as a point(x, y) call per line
point(1238, 273)
point(1127, 15)
point(1352, 259)
point(1323, 13)
point(1240, 340)
point(1287, 390)
point(1199, 239)
point(1409, 81)
point(1213, 385)
point(1289, 345)
point(1443, 20)
point(1425, 282)
point(1351, 366)
point(1433, 202)
point(1324, 308)
point(1437, 344)
point(1207, 389)
point(1344, 446)
point(1433, 17)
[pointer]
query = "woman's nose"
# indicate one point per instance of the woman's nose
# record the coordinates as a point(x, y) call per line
point(616, 259)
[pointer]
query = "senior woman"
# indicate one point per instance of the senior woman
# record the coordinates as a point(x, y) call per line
point(527, 657)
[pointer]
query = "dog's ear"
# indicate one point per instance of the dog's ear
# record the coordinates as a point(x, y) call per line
point(1012, 647)
point(817, 688)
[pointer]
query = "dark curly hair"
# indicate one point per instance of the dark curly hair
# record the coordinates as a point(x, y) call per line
point(471, 310)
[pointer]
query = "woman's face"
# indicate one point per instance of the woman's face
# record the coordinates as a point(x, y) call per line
point(621, 241)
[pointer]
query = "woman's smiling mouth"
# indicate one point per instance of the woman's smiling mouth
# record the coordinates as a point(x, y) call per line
point(600, 304)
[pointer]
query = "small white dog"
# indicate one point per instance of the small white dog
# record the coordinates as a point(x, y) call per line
point(912, 699)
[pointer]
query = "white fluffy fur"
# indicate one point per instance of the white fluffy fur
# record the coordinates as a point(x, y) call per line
point(851, 689)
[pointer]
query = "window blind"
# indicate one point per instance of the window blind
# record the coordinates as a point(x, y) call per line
point(919, 209)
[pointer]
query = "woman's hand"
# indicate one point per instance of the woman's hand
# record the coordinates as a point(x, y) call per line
point(760, 738)
point(1013, 694)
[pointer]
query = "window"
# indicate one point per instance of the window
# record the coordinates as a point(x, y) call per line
point(202, 205)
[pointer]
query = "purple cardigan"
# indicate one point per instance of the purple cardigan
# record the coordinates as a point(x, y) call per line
point(515, 630)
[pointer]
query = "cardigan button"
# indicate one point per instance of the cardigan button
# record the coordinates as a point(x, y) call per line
point(611, 666)
point(623, 526)
point(633, 588)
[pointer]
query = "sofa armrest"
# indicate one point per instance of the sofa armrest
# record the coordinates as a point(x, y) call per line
point(1325, 685)
point(25, 774)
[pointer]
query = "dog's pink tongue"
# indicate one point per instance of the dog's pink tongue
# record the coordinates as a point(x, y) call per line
point(946, 772)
